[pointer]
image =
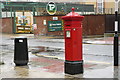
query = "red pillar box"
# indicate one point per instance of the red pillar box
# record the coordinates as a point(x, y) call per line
point(73, 43)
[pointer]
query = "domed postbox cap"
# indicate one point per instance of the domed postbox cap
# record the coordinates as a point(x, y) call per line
point(73, 16)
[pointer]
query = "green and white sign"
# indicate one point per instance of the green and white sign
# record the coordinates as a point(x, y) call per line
point(55, 26)
point(51, 8)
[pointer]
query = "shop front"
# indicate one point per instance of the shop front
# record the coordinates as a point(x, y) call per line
point(24, 21)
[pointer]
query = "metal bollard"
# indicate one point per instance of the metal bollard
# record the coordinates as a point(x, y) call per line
point(20, 51)
point(116, 50)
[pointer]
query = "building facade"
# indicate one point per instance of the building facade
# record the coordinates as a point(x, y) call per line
point(102, 6)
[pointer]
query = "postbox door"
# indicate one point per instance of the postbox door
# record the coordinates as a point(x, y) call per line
point(77, 43)
point(68, 44)
point(73, 44)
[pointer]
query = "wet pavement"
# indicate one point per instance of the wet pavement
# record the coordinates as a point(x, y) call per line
point(46, 59)
point(42, 67)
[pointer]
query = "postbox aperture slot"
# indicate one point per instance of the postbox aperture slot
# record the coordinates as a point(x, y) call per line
point(67, 25)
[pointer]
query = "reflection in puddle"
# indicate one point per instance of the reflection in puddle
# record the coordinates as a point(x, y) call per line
point(21, 71)
point(116, 72)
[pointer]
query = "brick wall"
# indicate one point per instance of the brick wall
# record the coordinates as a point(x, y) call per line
point(43, 29)
point(92, 25)
point(0, 25)
point(110, 23)
point(7, 25)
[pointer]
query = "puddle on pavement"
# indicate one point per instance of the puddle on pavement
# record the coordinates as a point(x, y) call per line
point(38, 64)
point(47, 51)
point(2, 63)
point(7, 47)
point(21, 70)
point(50, 65)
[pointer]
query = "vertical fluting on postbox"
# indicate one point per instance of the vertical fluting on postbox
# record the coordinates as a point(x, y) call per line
point(73, 43)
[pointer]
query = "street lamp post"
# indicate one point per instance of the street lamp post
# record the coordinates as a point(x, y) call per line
point(116, 37)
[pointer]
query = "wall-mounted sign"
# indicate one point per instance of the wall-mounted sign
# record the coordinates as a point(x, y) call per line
point(44, 22)
point(51, 8)
point(34, 26)
point(22, 17)
point(55, 26)
point(55, 18)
